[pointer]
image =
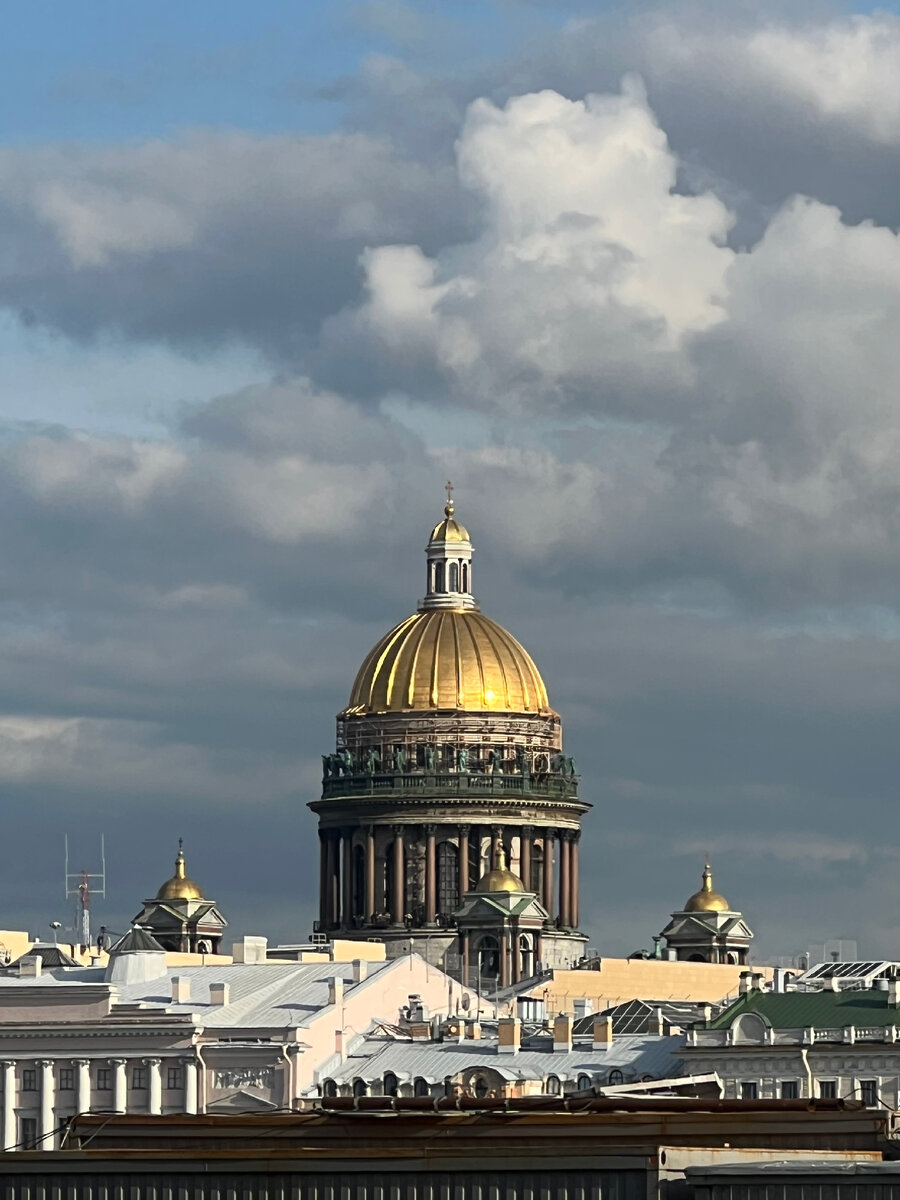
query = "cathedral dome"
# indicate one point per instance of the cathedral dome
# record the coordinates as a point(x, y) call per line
point(179, 887)
point(448, 530)
point(446, 658)
point(706, 900)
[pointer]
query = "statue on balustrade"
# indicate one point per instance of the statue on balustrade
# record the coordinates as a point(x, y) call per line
point(372, 762)
point(400, 759)
point(429, 758)
point(462, 760)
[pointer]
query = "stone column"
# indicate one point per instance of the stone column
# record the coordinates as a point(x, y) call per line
point(430, 874)
point(496, 835)
point(465, 957)
point(120, 1085)
point(463, 861)
point(516, 956)
point(323, 879)
point(549, 835)
point(564, 845)
point(347, 874)
point(10, 1133)
point(397, 897)
point(330, 884)
point(154, 1088)
point(573, 879)
point(83, 1093)
point(190, 1086)
point(504, 959)
point(48, 1090)
point(370, 873)
point(525, 834)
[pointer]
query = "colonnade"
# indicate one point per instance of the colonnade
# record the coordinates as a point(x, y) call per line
point(351, 898)
point(59, 1097)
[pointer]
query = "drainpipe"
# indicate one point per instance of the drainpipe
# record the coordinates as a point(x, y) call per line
point(201, 1107)
point(804, 1058)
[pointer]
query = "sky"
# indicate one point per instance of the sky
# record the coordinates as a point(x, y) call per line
point(628, 274)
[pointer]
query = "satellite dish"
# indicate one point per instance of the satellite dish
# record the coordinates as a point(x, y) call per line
point(466, 1001)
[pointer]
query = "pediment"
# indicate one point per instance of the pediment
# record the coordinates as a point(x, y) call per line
point(241, 1101)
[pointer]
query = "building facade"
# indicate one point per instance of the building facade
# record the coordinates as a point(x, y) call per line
point(448, 753)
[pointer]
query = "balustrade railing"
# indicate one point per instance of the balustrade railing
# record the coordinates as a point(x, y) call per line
point(455, 784)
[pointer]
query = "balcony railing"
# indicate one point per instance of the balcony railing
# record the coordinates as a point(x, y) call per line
point(420, 783)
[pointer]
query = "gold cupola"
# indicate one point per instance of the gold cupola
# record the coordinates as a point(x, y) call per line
point(500, 878)
point(179, 887)
point(707, 900)
point(448, 656)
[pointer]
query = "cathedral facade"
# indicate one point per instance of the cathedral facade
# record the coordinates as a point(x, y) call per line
point(449, 782)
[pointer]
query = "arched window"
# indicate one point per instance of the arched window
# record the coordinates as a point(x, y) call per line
point(329, 1088)
point(359, 1087)
point(359, 882)
point(525, 957)
point(448, 877)
point(454, 578)
point(390, 1083)
point(465, 577)
point(438, 576)
point(696, 958)
point(536, 883)
point(420, 1087)
point(584, 1083)
point(615, 1076)
point(551, 1086)
point(489, 956)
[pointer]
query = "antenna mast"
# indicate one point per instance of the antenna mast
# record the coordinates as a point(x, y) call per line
point(80, 886)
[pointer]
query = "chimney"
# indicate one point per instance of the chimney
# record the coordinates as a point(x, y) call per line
point(509, 1035)
point(339, 1044)
point(706, 1013)
point(757, 978)
point(250, 950)
point(745, 985)
point(603, 1032)
point(419, 1031)
point(30, 965)
point(655, 1023)
point(181, 989)
point(336, 990)
point(473, 1031)
point(218, 994)
point(360, 970)
point(894, 991)
point(562, 1034)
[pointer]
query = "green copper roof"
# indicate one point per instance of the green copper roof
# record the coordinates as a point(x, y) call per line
point(824, 1010)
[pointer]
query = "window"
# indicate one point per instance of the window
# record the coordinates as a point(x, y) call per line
point(448, 877)
point(448, 1085)
point(66, 1079)
point(789, 1089)
point(104, 1079)
point(390, 1083)
point(481, 1087)
point(29, 1079)
point(174, 1077)
point(749, 1090)
point(584, 1083)
point(438, 576)
point(868, 1092)
point(552, 1087)
point(465, 577)
point(359, 1087)
point(615, 1076)
point(28, 1133)
point(329, 1088)
point(420, 1087)
point(139, 1078)
point(454, 578)
point(828, 1089)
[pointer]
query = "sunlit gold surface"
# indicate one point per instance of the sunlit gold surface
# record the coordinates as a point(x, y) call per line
point(179, 887)
point(706, 900)
point(449, 530)
point(500, 878)
point(448, 659)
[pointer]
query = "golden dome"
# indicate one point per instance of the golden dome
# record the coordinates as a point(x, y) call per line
point(500, 878)
point(706, 900)
point(449, 530)
point(179, 887)
point(448, 658)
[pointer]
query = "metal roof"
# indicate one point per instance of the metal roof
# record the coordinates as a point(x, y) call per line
point(642, 1055)
point(824, 1010)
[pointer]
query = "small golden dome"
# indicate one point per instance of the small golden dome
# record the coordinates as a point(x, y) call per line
point(706, 900)
point(449, 530)
point(179, 887)
point(500, 878)
point(448, 658)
